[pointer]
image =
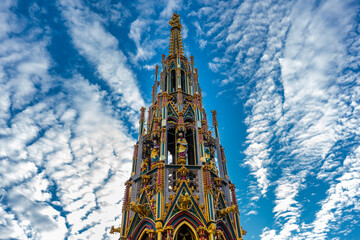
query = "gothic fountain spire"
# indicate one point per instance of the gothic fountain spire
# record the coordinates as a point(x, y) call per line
point(179, 186)
point(175, 45)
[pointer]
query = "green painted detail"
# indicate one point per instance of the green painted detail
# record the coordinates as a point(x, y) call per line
point(237, 224)
point(172, 112)
point(196, 150)
point(173, 209)
point(124, 223)
point(158, 209)
point(211, 209)
point(222, 202)
point(143, 200)
point(189, 113)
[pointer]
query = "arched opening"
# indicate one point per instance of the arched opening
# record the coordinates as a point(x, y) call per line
point(185, 233)
point(144, 236)
point(190, 141)
point(183, 81)
point(173, 81)
point(165, 85)
point(171, 145)
point(224, 232)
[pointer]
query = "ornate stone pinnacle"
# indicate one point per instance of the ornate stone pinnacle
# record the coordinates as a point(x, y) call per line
point(175, 21)
point(183, 172)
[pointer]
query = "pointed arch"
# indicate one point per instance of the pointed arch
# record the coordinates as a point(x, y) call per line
point(144, 235)
point(190, 139)
point(172, 112)
point(185, 226)
point(166, 82)
point(196, 217)
point(189, 114)
point(173, 86)
point(184, 216)
point(183, 65)
point(170, 143)
point(183, 81)
point(227, 231)
point(144, 225)
point(221, 226)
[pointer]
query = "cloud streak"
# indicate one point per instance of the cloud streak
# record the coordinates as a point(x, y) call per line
point(66, 143)
point(301, 103)
point(64, 155)
point(100, 48)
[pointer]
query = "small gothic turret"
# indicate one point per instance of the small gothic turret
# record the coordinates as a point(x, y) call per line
point(179, 188)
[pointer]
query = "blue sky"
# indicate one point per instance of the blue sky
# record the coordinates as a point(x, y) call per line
point(283, 77)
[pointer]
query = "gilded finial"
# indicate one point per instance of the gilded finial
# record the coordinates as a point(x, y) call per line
point(175, 21)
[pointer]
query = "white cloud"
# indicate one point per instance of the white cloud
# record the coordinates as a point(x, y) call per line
point(170, 8)
point(295, 59)
point(150, 67)
point(111, 12)
point(309, 126)
point(214, 66)
point(64, 155)
point(143, 50)
point(24, 63)
point(202, 43)
point(101, 49)
point(136, 30)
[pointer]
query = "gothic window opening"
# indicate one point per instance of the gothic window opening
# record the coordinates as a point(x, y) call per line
point(185, 233)
point(170, 158)
point(172, 180)
point(183, 81)
point(217, 163)
point(173, 80)
point(165, 85)
point(145, 236)
point(190, 141)
point(171, 145)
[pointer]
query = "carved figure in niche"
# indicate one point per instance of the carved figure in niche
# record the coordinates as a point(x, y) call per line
point(155, 151)
point(185, 200)
point(207, 155)
point(144, 167)
point(182, 148)
point(210, 157)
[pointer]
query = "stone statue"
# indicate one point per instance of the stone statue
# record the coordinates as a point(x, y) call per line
point(144, 167)
point(210, 157)
point(207, 155)
point(182, 147)
point(155, 152)
point(185, 200)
